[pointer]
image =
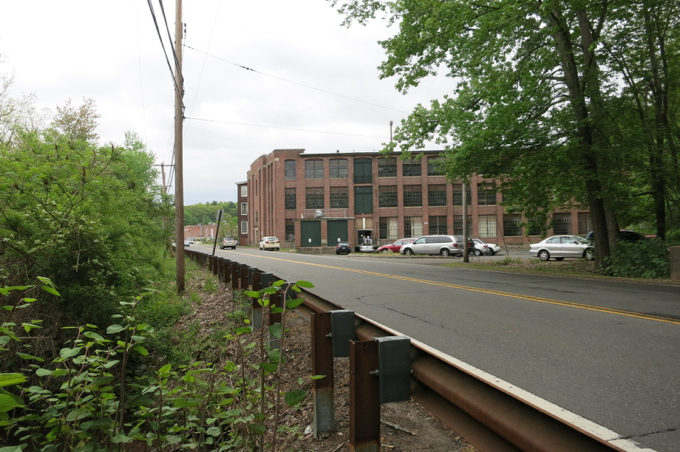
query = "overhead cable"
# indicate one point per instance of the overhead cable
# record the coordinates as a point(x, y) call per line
point(295, 83)
point(285, 128)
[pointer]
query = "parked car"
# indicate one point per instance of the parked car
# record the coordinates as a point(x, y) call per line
point(394, 247)
point(470, 244)
point(228, 242)
point(561, 246)
point(444, 245)
point(624, 234)
point(187, 243)
point(366, 248)
point(343, 248)
point(269, 243)
point(482, 247)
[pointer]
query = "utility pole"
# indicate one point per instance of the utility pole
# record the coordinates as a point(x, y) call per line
point(166, 220)
point(466, 252)
point(179, 167)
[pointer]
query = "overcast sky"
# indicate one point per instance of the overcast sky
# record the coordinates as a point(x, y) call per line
point(313, 84)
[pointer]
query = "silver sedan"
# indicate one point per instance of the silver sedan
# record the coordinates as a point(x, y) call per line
point(561, 246)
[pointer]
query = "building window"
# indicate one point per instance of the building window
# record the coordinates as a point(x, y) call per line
point(486, 194)
point(339, 198)
point(487, 226)
point(387, 196)
point(413, 226)
point(290, 230)
point(458, 225)
point(512, 225)
point(313, 169)
point(387, 167)
point(585, 223)
point(244, 228)
point(458, 194)
point(434, 167)
point(244, 191)
point(337, 168)
point(363, 171)
point(412, 168)
point(562, 223)
point(291, 198)
point(244, 208)
point(437, 225)
point(314, 198)
point(436, 195)
point(289, 170)
point(413, 196)
point(389, 228)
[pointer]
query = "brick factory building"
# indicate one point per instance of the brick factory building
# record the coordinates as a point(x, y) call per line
point(317, 200)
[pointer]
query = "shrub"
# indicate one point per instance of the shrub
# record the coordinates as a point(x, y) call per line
point(642, 259)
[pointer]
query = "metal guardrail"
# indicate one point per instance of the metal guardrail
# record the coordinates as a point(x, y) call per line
point(488, 415)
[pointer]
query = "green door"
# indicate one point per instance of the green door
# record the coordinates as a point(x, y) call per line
point(311, 232)
point(337, 232)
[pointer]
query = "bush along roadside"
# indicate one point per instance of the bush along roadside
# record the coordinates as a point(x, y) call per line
point(88, 399)
point(648, 259)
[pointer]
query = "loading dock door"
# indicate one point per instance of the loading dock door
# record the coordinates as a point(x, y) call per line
point(310, 231)
point(337, 232)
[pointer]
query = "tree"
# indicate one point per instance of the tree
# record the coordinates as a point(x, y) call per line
point(531, 99)
point(87, 217)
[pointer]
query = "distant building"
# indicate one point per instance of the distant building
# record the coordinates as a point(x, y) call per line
point(318, 200)
point(200, 231)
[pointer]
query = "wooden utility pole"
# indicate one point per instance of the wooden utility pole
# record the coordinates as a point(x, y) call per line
point(466, 252)
point(179, 167)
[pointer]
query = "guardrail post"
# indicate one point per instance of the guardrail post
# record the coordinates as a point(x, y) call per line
point(235, 276)
point(255, 277)
point(226, 271)
point(364, 397)
point(244, 276)
point(322, 364)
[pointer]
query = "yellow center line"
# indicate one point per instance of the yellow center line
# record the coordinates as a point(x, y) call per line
point(491, 292)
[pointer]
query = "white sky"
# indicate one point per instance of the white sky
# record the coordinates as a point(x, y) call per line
point(109, 50)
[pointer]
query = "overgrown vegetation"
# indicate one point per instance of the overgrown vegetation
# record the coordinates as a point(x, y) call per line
point(89, 397)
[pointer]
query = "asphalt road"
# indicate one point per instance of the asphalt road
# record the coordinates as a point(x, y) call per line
point(607, 351)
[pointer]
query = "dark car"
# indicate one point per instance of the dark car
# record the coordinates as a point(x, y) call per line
point(624, 234)
point(343, 248)
point(470, 244)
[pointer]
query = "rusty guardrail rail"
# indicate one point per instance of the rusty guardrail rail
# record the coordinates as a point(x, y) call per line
point(488, 414)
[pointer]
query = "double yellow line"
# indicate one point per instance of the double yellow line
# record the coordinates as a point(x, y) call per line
point(636, 315)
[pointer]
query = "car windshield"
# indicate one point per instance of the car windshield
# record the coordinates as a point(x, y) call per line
point(579, 239)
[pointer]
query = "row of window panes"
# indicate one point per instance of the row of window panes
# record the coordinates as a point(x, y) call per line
point(338, 168)
point(387, 196)
point(487, 226)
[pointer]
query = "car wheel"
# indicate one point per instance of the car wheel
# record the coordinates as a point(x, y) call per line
point(589, 254)
point(385, 251)
point(492, 253)
point(477, 252)
point(559, 258)
point(445, 252)
point(544, 255)
point(408, 251)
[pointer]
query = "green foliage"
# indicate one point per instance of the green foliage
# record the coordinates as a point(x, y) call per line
point(642, 259)
point(87, 217)
point(86, 398)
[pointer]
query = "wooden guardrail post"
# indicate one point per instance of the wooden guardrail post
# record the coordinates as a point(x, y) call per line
point(255, 279)
point(364, 393)
point(322, 364)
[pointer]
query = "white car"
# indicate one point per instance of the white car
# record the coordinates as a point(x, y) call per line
point(269, 243)
point(482, 247)
point(561, 246)
point(228, 243)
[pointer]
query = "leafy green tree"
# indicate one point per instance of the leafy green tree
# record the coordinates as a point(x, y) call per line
point(87, 217)
point(532, 98)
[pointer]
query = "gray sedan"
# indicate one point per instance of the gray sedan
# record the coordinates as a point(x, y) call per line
point(561, 246)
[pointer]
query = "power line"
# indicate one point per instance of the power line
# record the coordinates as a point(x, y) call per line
point(284, 128)
point(295, 83)
point(165, 53)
